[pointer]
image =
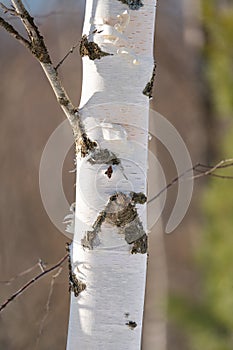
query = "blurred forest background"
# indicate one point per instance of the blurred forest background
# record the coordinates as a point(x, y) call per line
point(194, 90)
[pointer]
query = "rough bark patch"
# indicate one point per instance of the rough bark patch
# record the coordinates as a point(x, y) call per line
point(75, 285)
point(103, 156)
point(133, 4)
point(148, 90)
point(121, 211)
point(85, 145)
point(91, 49)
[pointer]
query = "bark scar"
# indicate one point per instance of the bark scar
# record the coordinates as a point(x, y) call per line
point(121, 211)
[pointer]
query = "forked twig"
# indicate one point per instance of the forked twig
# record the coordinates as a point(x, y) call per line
point(210, 172)
point(8, 10)
point(25, 272)
point(33, 280)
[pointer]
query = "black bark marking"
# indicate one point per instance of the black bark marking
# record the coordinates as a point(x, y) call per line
point(148, 90)
point(75, 285)
point(109, 172)
point(91, 49)
point(121, 212)
point(133, 4)
point(131, 324)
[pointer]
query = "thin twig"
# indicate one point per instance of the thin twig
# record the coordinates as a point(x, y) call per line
point(221, 165)
point(12, 31)
point(171, 183)
point(211, 174)
point(67, 55)
point(211, 170)
point(47, 307)
point(41, 265)
point(74, 47)
point(34, 279)
point(8, 10)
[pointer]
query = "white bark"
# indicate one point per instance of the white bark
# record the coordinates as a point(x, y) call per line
point(116, 114)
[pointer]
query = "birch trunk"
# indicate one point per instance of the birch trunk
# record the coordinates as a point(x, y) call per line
point(108, 314)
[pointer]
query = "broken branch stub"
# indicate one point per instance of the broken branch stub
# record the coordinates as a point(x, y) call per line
point(121, 212)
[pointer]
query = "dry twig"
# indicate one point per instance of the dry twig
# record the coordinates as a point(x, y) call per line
point(209, 171)
point(33, 280)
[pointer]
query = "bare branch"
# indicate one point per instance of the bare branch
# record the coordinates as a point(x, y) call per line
point(8, 10)
point(12, 31)
point(220, 166)
point(37, 47)
point(171, 183)
point(202, 173)
point(210, 172)
point(33, 280)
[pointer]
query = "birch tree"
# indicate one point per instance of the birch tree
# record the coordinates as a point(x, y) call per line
point(108, 255)
point(110, 218)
